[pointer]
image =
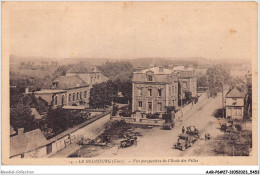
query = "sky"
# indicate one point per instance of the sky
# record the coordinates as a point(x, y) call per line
point(133, 29)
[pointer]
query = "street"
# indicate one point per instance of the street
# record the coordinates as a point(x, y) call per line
point(157, 142)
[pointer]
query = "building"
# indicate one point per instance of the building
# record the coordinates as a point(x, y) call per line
point(65, 91)
point(90, 74)
point(154, 89)
point(187, 78)
point(234, 103)
point(31, 144)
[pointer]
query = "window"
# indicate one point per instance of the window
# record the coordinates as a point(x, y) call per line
point(85, 94)
point(150, 105)
point(140, 91)
point(159, 106)
point(184, 84)
point(73, 96)
point(22, 155)
point(140, 104)
point(159, 92)
point(56, 100)
point(69, 97)
point(150, 78)
point(150, 92)
point(80, 96)
point(77, 95)
point(239, 111)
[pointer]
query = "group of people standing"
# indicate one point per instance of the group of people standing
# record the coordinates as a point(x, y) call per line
point(188, 128)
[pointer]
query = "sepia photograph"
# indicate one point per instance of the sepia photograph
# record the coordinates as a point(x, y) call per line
point(129, 83)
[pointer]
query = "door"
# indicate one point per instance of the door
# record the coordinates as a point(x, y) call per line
point(49, 148)
point(62, 100)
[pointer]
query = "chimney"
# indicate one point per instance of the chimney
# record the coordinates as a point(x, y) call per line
point(20, 131)
point(160, 69)
point(27, 90)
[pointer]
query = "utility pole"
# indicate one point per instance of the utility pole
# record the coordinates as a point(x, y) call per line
point(223, 101)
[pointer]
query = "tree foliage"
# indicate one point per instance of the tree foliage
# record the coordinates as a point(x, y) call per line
point(101, 95)
point(217, 76)
point(21, 117)
point(59, 120)
point(61, 71)
point(122, 70)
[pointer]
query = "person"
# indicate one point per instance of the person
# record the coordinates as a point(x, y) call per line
point(194, 128)
point(183, 130)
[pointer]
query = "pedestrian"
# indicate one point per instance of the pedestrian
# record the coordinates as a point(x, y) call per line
point(183, 130)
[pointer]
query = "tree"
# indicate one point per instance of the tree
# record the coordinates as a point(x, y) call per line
point(57, 120)
point(61, 70)
point(202, 81)
point(101, 95)
point(122, 70)
point(188, 95)
point(21, 117)
point(217, 76)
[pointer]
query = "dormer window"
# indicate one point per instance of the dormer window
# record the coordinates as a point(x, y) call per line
point(150, 78)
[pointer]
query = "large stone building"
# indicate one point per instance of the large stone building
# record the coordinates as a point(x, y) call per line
point(187, 78)
point(65, 91)
point(72, 89)
point(154, 89)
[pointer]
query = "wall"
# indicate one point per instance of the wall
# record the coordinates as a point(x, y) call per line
point(46, 97)
point(169, 90)
point(91, 131)
point(239, 101)
point(71, 91)
point(40, 152)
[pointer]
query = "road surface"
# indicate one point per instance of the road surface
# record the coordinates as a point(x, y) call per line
point(159, 143)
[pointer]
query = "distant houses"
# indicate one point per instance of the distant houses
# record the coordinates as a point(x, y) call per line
point(90, 74)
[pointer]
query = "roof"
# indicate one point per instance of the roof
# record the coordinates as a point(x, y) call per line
point(35, 113)
point(183, 68)
point(26, 142)
point(156, 70)
point(235, 92)
point(12, 131)
point(83, 68)
point(65, 82)
point(49, 91)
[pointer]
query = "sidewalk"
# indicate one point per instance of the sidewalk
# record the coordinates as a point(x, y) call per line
point(195, 108)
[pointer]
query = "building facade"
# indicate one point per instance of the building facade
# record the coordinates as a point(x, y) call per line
point(154, 89)
point(234, 104)
point(65, 91)
point(90, 74)
point(187, 78)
